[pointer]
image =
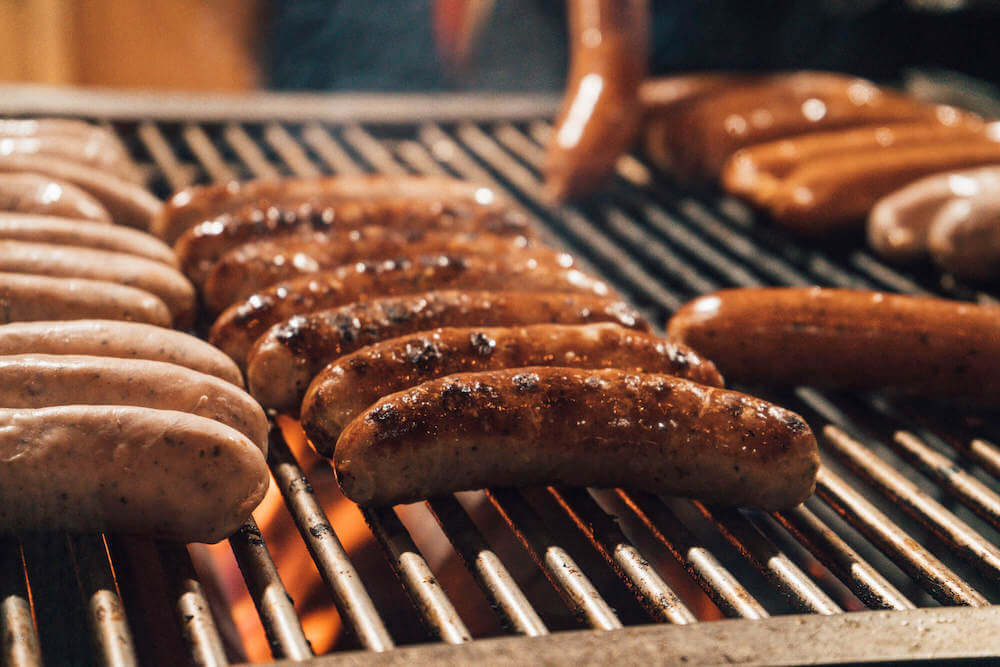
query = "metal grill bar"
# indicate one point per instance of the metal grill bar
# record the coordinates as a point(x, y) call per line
point(193, 610)
point(207, 155)
point(20, 642)
point(249, 151)
point(335, 157)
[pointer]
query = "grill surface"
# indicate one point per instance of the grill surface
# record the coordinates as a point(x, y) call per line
point(905, 518)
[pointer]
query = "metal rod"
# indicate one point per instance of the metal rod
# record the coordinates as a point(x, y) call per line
point(20, 641)
point(250, 152)
point(336, 158)
point(192, 607)
point(207, 154)
point(371, 150)
point(290, 150)
point(177, 175)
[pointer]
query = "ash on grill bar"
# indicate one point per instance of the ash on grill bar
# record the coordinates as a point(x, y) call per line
point(689, 368)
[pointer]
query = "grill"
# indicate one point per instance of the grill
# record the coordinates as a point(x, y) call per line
point(896, 555)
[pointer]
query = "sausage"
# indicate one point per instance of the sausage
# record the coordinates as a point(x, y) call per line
point(128, 203)
point(31, 297)
point(579, 427)
point(70, 262)
point(124, 340)
point(88, 151)
point(60, 127)
point(255, 266)
point(849, 339)
point(350, 384)
point(41, 195)
point(964, 237)
point(898, 223)
point(46, 380)
point(290, 354)
point(122, 469)
point(609, 45)
point(193, 205)
point(200, 247)
point(84, 234)
point(242, 323)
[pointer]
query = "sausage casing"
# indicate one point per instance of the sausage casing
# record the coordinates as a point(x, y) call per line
point(91, 152)
point(350, 384)
point(41, 195)
point(964, 237)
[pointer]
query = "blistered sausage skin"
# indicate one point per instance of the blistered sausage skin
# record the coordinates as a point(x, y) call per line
point(194, 205)
point(42, 195)
point(253, 267)
point(25, 297)
point(350, 384)
point(46, 380)
point(578, 427)
point(242, 323)
point(200, 247)
point(609, 45)
point(111, 338)
point(852, 339)
point(158, 473)
point(72, 262)
point(289, 355)
point(964, 237)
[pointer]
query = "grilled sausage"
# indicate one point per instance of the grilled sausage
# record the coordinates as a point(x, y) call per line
point(347, 386)
point(964, 237)
point(32, 297)
point(128, 203)
point(898, 223)
point(60, 127)
point(241, 324)
point(41, 195)
point(90, 152)
point(253, 267)
point(200, 247)
point(551, 425)
point(846, 339)
point(84, 234)
point(289, 355)
point(609, 43)
point(122, 469)
point(124, 340)
point(189, 207)
point(46, 380)
point(70, 262)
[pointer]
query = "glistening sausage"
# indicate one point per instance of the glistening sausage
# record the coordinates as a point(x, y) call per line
point(42, 195)
point(31, 297)
point(90, 152)
point(964, 237)
point(61, 127)
point(350, 384)
point(850, 339)
point(552, 425)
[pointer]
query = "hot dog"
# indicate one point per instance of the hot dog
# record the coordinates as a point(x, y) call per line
point(61, 127)
point(41, 195)
point(350, 384)
point(289, 355)
point(26, 297)
point(125, 340)
point(84, 234)
point(158, 473)
point(964, 237)
point(90, 152)
point(551, 425)
point(71, 262)
point(850, 339)
point(200, 247)
point(600, 111)
point(241, 324)
point(46, 380)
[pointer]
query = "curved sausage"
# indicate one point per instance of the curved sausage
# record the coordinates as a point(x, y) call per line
point(289, 355)
point(46, 380)
point(32, 297)
point(350, 384)
point(609, 44)
point(125, 340)
point(193, 205)
point(964, 237)
point(241, 324)
point(91, 152)
point(60, 127)
point(70, 262)
point(128, 203)
point(899, 222)
point(253, 267)
point(84, 234)
point(850, 339)
point(41, 195)
point(157, 473)
point(551, 425)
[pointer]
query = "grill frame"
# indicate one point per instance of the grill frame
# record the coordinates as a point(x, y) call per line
point(653, 235)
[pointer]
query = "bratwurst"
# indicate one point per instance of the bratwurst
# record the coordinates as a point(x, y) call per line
point(41, 195)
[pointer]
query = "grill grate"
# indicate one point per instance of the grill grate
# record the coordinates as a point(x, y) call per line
point(906, 513)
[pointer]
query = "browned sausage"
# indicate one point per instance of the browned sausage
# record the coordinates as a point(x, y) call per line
point(61, 127)
point(42, 195)
point(846, 339)
point(253, 267)
point(551, 425)
point(293, 352)
point(964, 237)
point(350, 384)
point(193, 205)
point(600, 111)
point(91, 152)
point(240, 325)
